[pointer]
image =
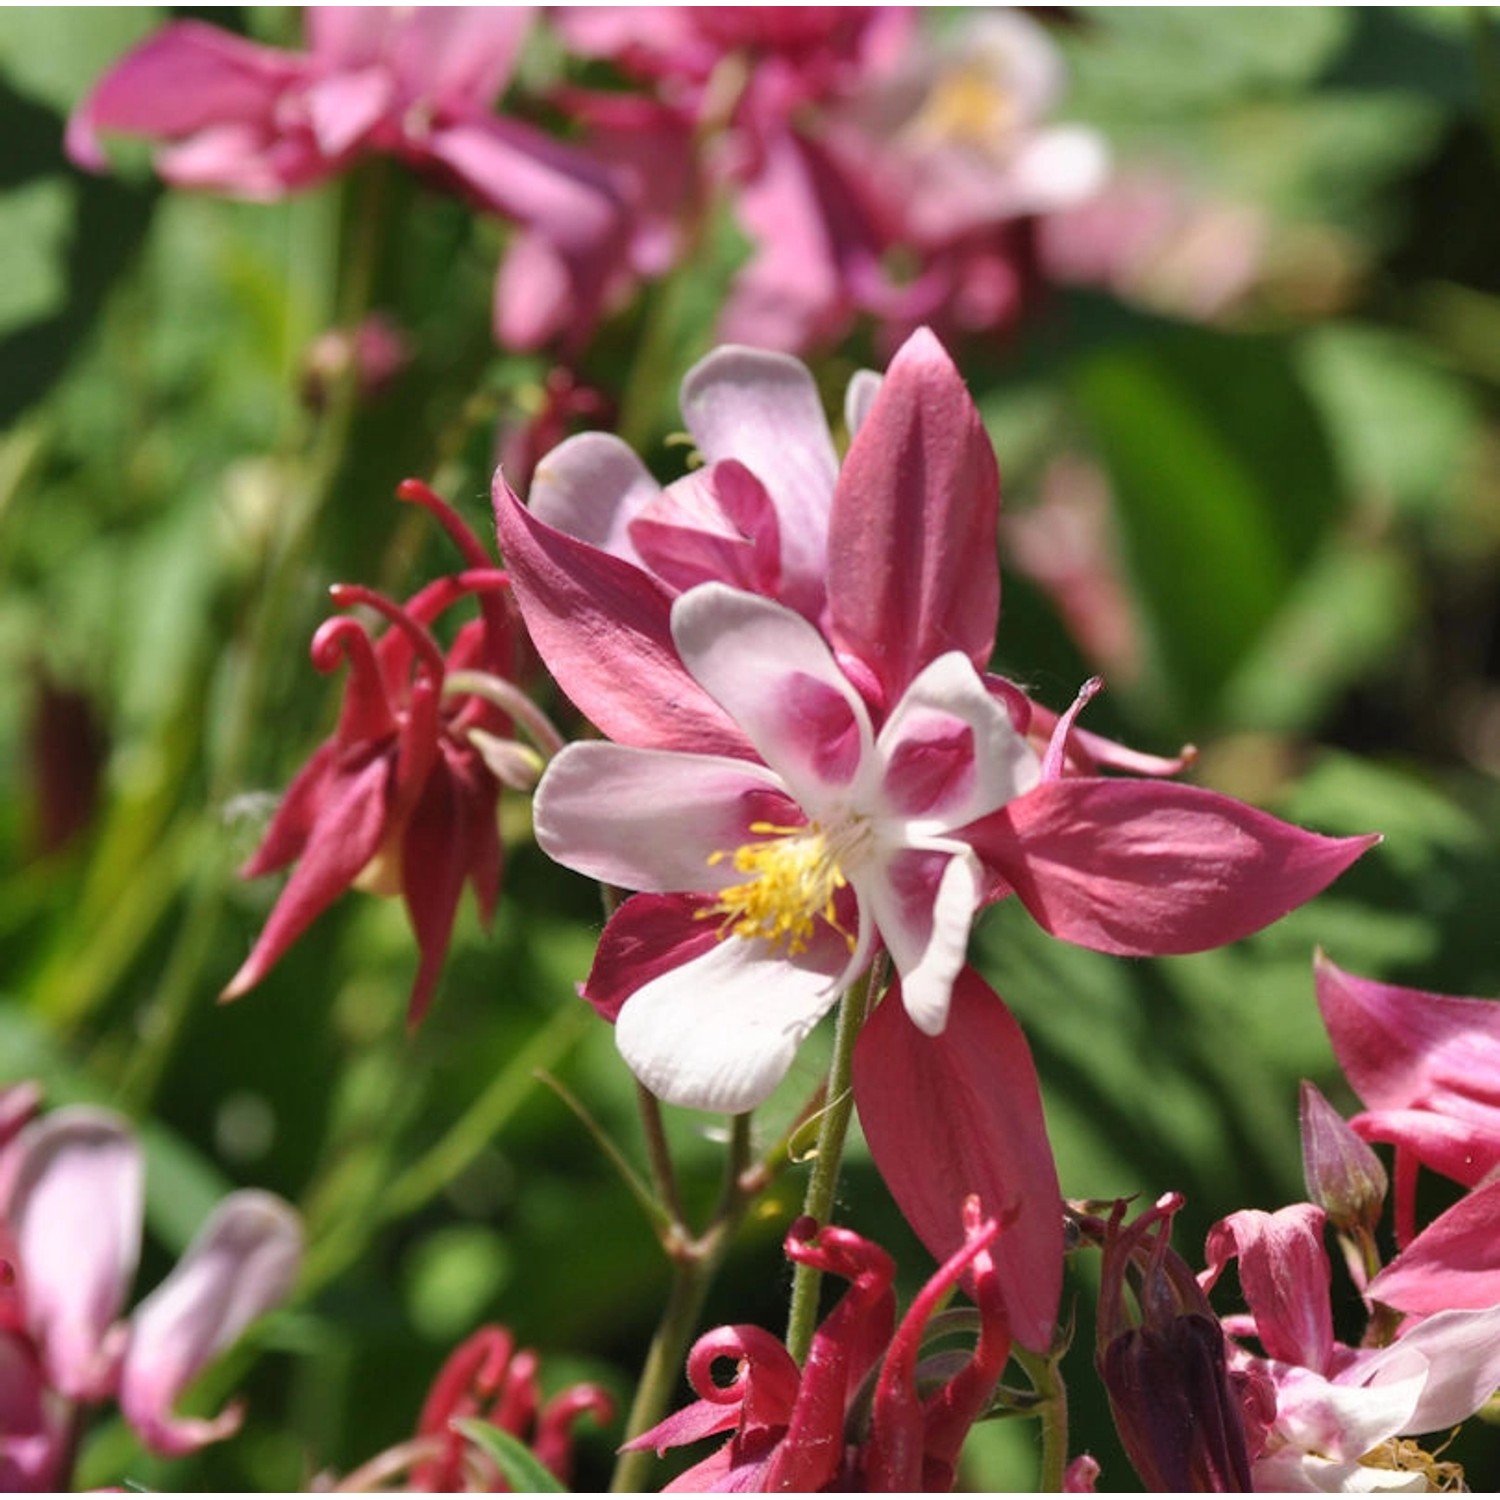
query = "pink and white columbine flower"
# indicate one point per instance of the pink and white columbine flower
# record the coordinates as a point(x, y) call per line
point(71, 1207)
point(797, 866)
point(1345, 1417)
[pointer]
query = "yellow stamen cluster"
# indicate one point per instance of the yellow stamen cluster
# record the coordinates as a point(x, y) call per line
point(966, 106)
point(1405, 1456)
point(795, 877)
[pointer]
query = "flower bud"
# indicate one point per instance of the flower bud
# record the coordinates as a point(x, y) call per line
point(1344, 1176)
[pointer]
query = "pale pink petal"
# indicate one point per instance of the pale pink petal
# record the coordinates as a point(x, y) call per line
point(1284, 1276)
point(1462, 1353)
point(1316, 1416)
point(923, 901)
point(959, 1114)
point(344, 108)
point(650, 820)
point(185, 78)
point(602, 627)
point(952, 753)
point(74, 1213)
point(1453, 1263)
point(1058, 168)
point(763, 409)
point(774, 675)
point(720, 1031)
point(249, 160)
point(536, 299)
point(912, 564)
point(864, 386)
point(713, 525)
point(592, 486)
point(1136, 867)
point(241, 1263)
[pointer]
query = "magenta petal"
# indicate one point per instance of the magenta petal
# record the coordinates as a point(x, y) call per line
point(912, 567)
point(185, 78)
point(603, 629)
point(1453, 1263)
point(950, 1116)
point(74, 1212)
point(1285, 1278)
point(240, 1264)
point(1138, 867)
point(344, 841)
point(645, 938)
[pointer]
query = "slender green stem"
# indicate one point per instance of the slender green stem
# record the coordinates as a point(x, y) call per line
point(833, 1128)
point(663, 1169)
point(1052, 1412)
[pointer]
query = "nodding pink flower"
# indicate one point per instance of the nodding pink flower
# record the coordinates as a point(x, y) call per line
point(869, 1410)
point(487, 1378)
point(1345, 1417)
point(1427, 1069)
point(255, 122)
point(401, 799)
point(70, 1222)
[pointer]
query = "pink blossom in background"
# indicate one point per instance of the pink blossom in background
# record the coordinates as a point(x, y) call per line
point(1427, 1069)
point(70, 1215)
point(256, 122)
point(401, 800)
point(809, 1429)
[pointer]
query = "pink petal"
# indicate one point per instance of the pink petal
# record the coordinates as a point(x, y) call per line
point(1453, 1263)
point(651, 820)
point(34, 1439)
point(602, 627)
point(239, 1265)
point(346, 107)
point(1401, 1048)
point(720, 1031)
point(763, 409)
point(950, 1116)
point(344, 840)
point(74, 1213)
point(1458, 1148)
point(774, 675)
point(1462, 1350)
point(912, 566)
point(184, 79)
point(1284, 1276)
point(459, 57)
point(1136, 867)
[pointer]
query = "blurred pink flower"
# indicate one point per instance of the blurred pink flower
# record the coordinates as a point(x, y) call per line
point(71, 1215)
point(1344, 1416)
point(867, 1411)
point(401, 799)
point(1427, 1069)
point(255, 122)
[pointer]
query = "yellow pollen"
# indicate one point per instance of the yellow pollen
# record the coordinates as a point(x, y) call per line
point(795, 878)
point(1405, 1456)
point(966, 106)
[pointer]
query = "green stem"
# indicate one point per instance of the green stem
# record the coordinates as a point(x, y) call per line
point(1487, 64)
point(695, 1262)
point(833, 1128)
point(1052, 1412)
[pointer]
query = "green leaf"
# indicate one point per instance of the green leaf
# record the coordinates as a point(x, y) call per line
point(1225, 489)
point(523, 1470)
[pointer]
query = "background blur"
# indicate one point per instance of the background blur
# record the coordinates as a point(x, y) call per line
point(1250, 475)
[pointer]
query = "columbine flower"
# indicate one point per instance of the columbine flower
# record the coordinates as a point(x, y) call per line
point(1427, 1069)
point(867, 1411)
point(402, 798)
point(1345, 1417)
point(255, 122)
point(486, 1379)
point(792, 866)
point(70, 1214)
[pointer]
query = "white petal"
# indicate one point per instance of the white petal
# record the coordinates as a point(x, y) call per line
point(648, 820)
point(774, 675)
point(864, 386)
point(592, 487)
point(925, 919)
point(763, 408)
point(720, 1032)
point(947, 696)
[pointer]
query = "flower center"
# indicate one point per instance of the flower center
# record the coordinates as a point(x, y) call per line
point(795, 877)
point(967, 106)
point(1406, 1456)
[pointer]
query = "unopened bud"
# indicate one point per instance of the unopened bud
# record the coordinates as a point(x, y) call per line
point(1344, 1176)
